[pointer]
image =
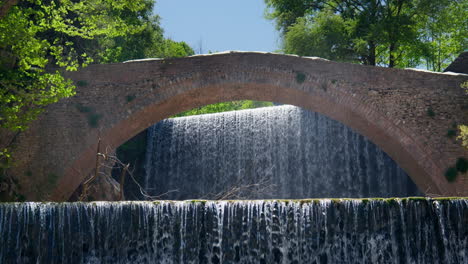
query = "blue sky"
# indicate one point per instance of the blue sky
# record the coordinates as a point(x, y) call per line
point(218, 25)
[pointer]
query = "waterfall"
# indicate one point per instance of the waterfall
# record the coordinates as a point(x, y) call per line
point(271, 231)
point(266, 153)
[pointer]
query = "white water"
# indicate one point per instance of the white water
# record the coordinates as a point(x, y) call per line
point(273, 152)
point(320, 231)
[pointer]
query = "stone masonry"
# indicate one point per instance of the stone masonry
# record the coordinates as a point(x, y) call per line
point(407, 113)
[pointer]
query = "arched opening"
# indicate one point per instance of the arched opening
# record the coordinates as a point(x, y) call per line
point(272, 152)
point(328, 88)
point(159, 112)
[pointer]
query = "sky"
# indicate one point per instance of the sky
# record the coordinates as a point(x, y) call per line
point(218, 25)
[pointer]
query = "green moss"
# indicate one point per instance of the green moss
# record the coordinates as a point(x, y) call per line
point(392, 201)
point(448, 198)
point(300, 77)
point(91, 115)
point(430, 112)
point(52, 177)
point(83, 109)
point(334, 81)
point(451, 174)
point(197, 201)
point(28, 173)
point(93, 119)
point(462, 165)
point(82, 83)
point(451, 133)
point(130, 98)
point(416, 198)
point(301, 202)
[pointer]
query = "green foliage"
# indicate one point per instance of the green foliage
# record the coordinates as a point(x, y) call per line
point(451, 174)
point(148, 43)
point(394, 33)
point(10, 187)
point(5, 162)
point(318, 34)
point(36, 36)
point(225, 106)
point(462, 165)
point(463, 136)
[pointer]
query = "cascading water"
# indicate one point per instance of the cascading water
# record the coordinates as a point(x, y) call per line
point(273, 152)
point(301, 231)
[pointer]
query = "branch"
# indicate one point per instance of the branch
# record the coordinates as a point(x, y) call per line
point(6, 6)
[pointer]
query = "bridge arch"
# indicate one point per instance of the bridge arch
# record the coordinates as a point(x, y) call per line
point(388, 106)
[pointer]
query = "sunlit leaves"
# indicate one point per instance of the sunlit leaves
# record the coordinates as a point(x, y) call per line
point(36, 36)
point(225, 106)
point(394, 33)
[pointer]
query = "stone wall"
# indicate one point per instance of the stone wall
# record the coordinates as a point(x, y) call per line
point(407, 113)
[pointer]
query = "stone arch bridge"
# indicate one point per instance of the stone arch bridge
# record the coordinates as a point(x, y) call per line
point(407, 113)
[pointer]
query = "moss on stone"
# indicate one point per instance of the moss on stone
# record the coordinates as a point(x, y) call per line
point(430, 112)
point(451, 133)
point(462, 165)
point(82, 83)
point(93, 119)
point(300, 77)
point(130, 98)
point(451, 174)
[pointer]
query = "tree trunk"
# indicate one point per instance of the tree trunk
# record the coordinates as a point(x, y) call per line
point(371, 57)
point(5, 7)
point(391, 51)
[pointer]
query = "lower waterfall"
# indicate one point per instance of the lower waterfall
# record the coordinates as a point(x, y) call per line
point(411, 230)
point(267, 153)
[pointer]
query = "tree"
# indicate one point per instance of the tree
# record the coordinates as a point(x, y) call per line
point(326, 35)
point(37, 37)
point(225, 106)
point(393, 33)
point(147, 43)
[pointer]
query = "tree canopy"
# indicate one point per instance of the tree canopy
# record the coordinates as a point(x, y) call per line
point(392, 33)
point(224, 107)
point(38, 38)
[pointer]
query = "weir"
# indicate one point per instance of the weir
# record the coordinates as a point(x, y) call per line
point(275, 231)
point(267, 153)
